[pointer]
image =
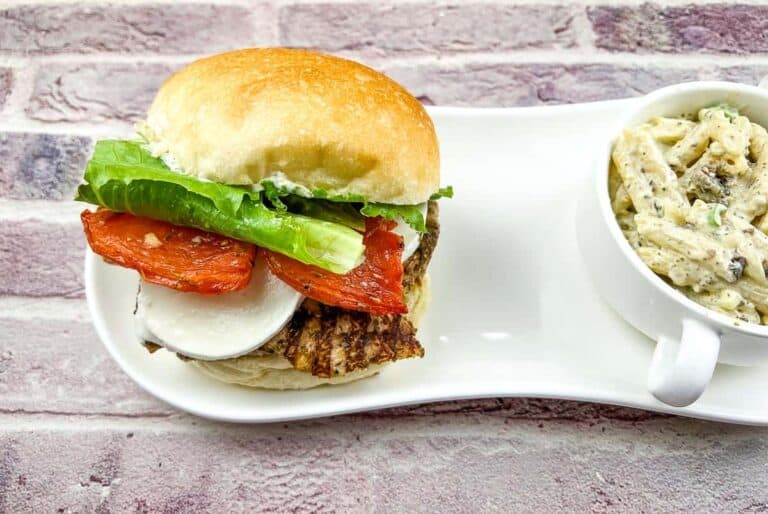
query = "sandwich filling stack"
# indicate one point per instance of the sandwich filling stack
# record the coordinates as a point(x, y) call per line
point(281, 209)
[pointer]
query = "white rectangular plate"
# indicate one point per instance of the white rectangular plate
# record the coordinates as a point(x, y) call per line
point(513, 312)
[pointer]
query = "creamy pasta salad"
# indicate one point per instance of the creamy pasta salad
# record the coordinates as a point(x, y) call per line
point(690, 195)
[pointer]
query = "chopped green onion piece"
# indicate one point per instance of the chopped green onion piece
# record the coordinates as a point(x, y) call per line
point(729, 111)
point(714, 217)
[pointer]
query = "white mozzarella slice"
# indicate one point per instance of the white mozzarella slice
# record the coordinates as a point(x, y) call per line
point(411, 237)
point(211, 327)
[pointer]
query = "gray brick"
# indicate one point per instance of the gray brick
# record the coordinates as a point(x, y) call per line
point(209, 469)
point(75, 92)
point(41, 259)
point(61, 366)
point(6, 83)
point(372, 29)
point(496, 85)
point(723, 28)
point(453, 464)
point(41, 166)
point(133, 29)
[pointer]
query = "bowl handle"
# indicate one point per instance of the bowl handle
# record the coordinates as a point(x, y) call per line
point(680, 371)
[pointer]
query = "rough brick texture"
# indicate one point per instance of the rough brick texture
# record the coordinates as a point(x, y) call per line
point(460, 464)
point(690, 28)
point(418, 28)
point(41, 259)
point(95, 91)
point(41, 166)
point(77, 435)
point(6, 83)
point(122, 92)
point(496, 85)
point(133, 29)
point(61, 366)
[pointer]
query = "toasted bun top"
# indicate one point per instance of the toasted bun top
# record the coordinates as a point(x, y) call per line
point(317, 120)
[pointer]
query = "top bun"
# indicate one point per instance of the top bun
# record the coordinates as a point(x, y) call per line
point(317, 120)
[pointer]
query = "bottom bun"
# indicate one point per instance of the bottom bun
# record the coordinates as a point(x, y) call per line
point(273, 372)
point(276, 372)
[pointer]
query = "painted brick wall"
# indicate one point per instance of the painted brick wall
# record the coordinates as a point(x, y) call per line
point(76, 435)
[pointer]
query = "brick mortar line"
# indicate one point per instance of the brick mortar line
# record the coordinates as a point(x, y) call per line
point(523, 56)
point(581, 28)
point(550, 432)
point(461, 424)
point(286, 3)
point(84, 414)
point(25, 308)
point(96, 3)
point(101, 129)
point(567, 57)
point(180, 422)
point(22, 86)
point(48, 211)
point(15, 62)
point(104, 129)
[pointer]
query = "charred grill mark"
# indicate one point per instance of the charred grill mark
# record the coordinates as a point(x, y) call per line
point(323, 351)
point(329, 341)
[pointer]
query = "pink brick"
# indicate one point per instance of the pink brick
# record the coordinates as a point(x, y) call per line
point(41, 259)
point(56, 366)
point(376, 29)
point(95, 91)
point(41, 166)
point(133, 29)
point(507, 84)
point(690, 28)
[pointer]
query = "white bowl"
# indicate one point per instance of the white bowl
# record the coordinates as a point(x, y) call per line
point(691, 339)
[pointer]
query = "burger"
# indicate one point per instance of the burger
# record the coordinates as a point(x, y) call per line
point(280, 207)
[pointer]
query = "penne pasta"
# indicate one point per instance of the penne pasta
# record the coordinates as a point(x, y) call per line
point(687, 274)
point(691, 198)
point(694, 245)
point(689, 148)
point(669, 130)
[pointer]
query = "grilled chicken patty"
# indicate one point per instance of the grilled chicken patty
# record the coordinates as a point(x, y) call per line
point(329, 341)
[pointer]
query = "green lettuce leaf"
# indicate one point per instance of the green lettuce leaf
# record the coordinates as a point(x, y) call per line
point(128, 161)
point(443, 192)
point(344, 213)
point(410, 214)
point(124, 177)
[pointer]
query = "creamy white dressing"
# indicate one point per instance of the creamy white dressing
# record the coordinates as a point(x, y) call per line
point(171, 162)
point(280, 181)
point(211, 327)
